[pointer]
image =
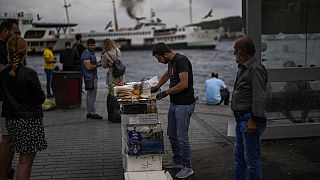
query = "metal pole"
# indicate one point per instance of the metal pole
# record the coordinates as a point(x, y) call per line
point(190, 10)
point(253, 24)
point(66, 6)
point(116, 27)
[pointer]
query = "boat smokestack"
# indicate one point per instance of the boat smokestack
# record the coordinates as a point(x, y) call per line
point(131, 6)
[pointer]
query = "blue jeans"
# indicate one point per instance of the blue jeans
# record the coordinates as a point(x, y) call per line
point(247, 149)
point(178, 126)
point(49, 74)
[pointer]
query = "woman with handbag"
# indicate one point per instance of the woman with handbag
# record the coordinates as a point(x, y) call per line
point(22, 99)
point(111, 53)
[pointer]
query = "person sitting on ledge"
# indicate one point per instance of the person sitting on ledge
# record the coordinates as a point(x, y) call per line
point(216, 91)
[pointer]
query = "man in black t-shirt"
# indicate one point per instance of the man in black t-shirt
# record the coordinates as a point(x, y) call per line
point(182, 105)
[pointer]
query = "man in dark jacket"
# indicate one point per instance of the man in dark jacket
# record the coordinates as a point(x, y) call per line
point(68, 58)
point(78, 48)
point(248, 105)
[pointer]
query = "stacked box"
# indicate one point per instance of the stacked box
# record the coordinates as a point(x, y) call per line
point(142, 141)
point(142, 163)
point(146, 139)
point(130, 119)
point(147, 175)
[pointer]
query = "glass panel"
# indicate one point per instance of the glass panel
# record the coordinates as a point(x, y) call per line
point(284, 16)
point(291, 38)
point(283, 40)
point(313, 29)
point(294, 102)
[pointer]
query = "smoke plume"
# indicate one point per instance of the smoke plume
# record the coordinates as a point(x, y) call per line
point(131, 6)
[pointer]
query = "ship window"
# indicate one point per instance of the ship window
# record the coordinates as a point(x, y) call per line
point(25, 22)
point(51, 32)
point(34, 34)
point(34, 44)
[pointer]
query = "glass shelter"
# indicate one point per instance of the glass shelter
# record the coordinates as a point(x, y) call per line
point(287, 35)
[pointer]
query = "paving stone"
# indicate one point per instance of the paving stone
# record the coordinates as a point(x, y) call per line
point(83, 149)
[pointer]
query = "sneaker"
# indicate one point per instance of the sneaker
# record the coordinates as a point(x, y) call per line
point(88, 115)
point(184, 173)
point(172, 164)
point(94, 116)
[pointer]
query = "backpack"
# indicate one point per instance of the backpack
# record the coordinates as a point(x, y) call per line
point(118, 69)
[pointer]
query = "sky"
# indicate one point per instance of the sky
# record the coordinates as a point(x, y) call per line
point(95, 14)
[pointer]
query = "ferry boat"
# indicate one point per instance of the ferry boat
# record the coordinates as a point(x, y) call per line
point(145, 34)
point(39, 34)
point(142, 36)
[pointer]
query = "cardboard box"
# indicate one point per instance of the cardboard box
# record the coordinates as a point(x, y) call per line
point(140, 118)
point(144, 139)
point(142, 163)
point(148, 175)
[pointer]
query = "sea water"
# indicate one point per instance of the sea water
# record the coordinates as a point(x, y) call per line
point(141, 64)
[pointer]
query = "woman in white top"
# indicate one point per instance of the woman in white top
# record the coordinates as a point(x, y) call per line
point(110, 52)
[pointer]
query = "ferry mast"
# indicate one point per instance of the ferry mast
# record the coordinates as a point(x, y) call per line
point(190, 10)
point(116, 27)
point(66, 6)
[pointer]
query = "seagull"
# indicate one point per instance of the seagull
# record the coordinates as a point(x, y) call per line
point(159, 20)
point(108, 25)
point(38, 17)
point(208, 15)
point(140, 18)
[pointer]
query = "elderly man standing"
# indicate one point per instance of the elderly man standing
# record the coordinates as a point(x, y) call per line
point(248, 105)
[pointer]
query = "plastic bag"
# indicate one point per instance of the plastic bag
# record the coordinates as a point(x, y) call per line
point(146, 86)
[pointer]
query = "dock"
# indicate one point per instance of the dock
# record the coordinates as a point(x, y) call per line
point(85, 149)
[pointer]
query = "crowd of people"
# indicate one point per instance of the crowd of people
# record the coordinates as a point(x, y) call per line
point(22, 126)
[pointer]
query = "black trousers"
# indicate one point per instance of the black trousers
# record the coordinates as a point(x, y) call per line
point(113, 108)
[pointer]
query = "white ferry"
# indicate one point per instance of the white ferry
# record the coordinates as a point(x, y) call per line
point(39, 34)
point(144, 35)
